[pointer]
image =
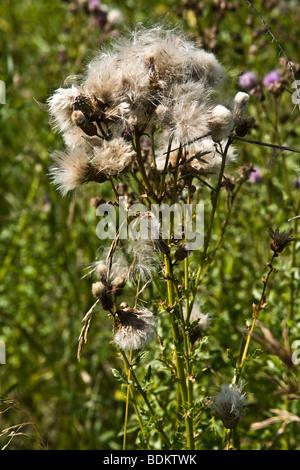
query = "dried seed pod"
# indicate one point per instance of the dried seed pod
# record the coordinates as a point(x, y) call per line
point(117, 285)
point(99, 291)
point(135, 328)
point(229, 404)
point(280, 239)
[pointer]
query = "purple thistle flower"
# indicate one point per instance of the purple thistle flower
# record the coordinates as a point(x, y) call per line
point(255, 176)
point(248, 80)
point(271, 77)
point(94, 5)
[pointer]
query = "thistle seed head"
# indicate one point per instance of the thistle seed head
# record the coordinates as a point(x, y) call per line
point(135, 328)
point(229, 405)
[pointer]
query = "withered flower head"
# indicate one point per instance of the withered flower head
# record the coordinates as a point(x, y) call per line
point(229, 405)
point(228, 183)
point(245, 171)
point(135, 328)
point(280, 239)
point(99, 290)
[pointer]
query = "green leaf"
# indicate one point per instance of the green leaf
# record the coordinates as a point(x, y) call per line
point(148, 374)
point(119, 376)
point(231, 357)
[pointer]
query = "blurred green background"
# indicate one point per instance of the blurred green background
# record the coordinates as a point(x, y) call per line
point(47, 241)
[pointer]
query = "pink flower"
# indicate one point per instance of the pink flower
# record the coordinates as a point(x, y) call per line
point(271, 77)
point(94, 5)
point(248, 80)
point(255, 176)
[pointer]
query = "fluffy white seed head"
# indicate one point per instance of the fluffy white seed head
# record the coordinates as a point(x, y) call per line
point(114, 16)
point(113, 157)
point(221, 123)
point(136, 328)
point(155, 77)
point(240, 101)
point(98, 289)
point(229, 405)
point(202, 155)
point(205, 155)
point(69, 170)
point(60, 106)
point(202, 318)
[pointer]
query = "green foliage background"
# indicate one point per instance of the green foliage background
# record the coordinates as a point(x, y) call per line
point(47, 241)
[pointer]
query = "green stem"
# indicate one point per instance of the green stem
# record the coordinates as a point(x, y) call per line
point(254, 318)
point(127, 403)
point(158, 425)
point(215, 198)
point(162, 186)
point(179, 363)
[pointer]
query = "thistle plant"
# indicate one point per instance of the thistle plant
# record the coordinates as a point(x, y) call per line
point(150, 118)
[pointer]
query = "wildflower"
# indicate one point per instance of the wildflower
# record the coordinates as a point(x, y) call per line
point(255, 176)
point(94, 5)
point(72, 169)
point(118, 284)
point(229, 405)
point(119, 275)
point(186, 111)
point(146, 258)
point(135, 328)
point(113, 157)
point(248, 80)
point(245, 171)
point(240, 101)
point(280, 239)
point(200, 320)
point(114, 17)
point(101, 270)
point(272, 77)
point(221, 123)
point(61, 106)
point(99, 290)
point(228, 183)
point(154, 78)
